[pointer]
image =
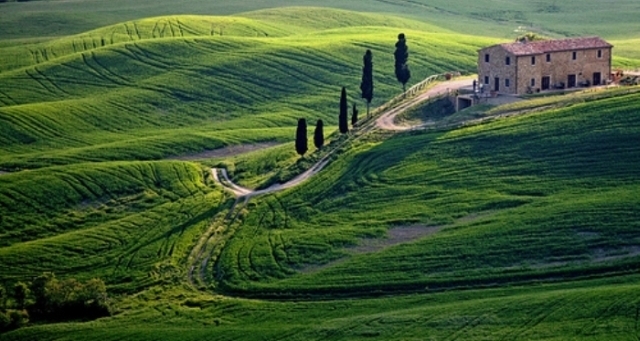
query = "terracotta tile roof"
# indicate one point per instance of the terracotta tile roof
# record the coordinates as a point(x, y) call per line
point(546, 46)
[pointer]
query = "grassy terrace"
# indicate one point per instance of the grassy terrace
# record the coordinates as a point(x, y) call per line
point(522, 228)
point(128, 223)
point(139, 97)
point(540, 197)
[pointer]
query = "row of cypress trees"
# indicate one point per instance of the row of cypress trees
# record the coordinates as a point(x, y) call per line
point(403, 74)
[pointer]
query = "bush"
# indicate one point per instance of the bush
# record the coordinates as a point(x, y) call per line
point(5, 321)
point(12, 319)
point(69, 299)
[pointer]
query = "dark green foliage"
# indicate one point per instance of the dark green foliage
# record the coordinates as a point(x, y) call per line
point(12, 319)
point(3, 297)
point(5, 321)
point(342, 118)
point(354, 115)
point(403, 74)
point(301, 137)
point(318, 135)
point(68, 299)
point(20, 294)
point(366, 85)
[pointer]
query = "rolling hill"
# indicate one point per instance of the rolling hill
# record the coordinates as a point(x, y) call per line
point(516, 229)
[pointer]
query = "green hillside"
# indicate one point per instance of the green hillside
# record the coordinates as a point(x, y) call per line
point(520, 228)
point(140, 97)
point(613, 19)
point(127, 223)
point(527, 199)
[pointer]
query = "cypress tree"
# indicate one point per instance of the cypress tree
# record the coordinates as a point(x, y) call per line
point(301, 137)
point(366, 86)
point(354, 115)
point(318, 134)
point(403, 74)
point(342, 118)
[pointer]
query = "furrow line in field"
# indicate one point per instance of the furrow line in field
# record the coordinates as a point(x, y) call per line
point(124, 81)
point(250, 258)
point(128, 31)
point(153, 30)
point(43, 75)
point(130, 54)
point(41, 127)
point(189, 29)
point(33, 77)
point(179, 28)
point(7, 98)
point(95, 70)
point(135, 27)
point(173, 33)
point(151, 56)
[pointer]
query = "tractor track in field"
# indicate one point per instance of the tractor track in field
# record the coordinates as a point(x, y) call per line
point(383, 121)
point(203, 252)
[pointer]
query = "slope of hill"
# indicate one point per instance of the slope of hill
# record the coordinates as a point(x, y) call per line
point(140, 97)
point(523, 228)
point(128, 223)
point(614, 19)
point(526, 199)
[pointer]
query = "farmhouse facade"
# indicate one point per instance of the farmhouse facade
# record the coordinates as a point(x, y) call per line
point(527, 67)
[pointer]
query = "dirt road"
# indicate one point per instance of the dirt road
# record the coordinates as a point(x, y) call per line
point(386, 120)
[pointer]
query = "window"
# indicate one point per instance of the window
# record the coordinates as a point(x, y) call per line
point(506, 83)
point(486, 79)
point(575, 55)
point(508, 61)
point(599, 53)
point(548, 57)
point(533, 60)
point(486, 58)
point(533, 82)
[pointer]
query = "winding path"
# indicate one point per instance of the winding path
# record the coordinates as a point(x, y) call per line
point(202, 254)
point(384, 122)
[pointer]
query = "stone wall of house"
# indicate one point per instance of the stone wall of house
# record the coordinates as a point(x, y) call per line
point(522, 71)
point(497, 68)
point(560, 66)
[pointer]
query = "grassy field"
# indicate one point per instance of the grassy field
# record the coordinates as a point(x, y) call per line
point(118, 93)
point(525, 199)
point(131, 224)
point(524, 228)
point(616, 19)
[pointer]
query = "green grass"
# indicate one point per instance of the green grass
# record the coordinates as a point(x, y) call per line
point(517, 200)
point(536, 216)
point(593, 310)
point(484, 17)
point(131, 224)
point(137, 98)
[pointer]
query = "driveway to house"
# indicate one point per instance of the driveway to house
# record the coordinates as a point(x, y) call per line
point(386, 120)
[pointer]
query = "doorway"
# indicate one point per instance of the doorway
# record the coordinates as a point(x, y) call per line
point(546, 82)
point(571, 81)
point(597, 78)
point(496, 85)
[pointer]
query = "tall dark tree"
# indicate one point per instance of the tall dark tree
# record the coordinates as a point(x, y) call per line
point(366, 86)
point(301, 137)
point(354, 115)
point(342, 119)
point(318, 134)
point(403, 74)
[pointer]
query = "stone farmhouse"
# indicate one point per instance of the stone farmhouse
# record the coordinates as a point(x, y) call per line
point(527, 67)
